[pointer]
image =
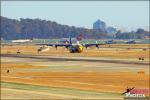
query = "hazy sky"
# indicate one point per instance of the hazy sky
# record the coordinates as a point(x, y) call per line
point(123, 14)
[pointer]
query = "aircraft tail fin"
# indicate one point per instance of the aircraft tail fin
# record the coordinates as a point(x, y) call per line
point(70, 41)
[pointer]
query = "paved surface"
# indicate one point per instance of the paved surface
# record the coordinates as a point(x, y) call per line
point(87, 59)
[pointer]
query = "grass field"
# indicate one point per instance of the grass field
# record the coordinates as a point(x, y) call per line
point(133, 51)
point(81, 78)
point(41, 79)
point(27, 91)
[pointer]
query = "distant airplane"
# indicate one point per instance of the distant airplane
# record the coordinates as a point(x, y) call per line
point(131, 42)
point(73, 48)
point(110, 42)
point(21, 41)
point(120, 42)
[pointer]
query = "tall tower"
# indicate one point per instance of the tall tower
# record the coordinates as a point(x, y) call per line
point(99, 25)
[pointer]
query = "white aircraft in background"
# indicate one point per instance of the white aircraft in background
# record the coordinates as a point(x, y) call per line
point(21, 41)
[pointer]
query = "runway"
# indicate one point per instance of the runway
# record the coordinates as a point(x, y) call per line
point(84, 59)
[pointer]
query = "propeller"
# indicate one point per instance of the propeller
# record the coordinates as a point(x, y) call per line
point(86, 47)
point(56, 47)
point(66, 47)
point(97, 46)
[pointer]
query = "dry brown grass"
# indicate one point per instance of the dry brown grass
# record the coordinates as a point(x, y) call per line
point(19, 65)
point(97, 81)
point(117, 52)
point(104, 82)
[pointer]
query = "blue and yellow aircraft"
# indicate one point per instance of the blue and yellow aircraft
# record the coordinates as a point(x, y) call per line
point(73, 48)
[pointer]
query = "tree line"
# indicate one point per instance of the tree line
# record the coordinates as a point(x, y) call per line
point(43, 29)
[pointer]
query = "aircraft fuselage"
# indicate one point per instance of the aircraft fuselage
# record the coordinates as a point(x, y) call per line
point(75, 48)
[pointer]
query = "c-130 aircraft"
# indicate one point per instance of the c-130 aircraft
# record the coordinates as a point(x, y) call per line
point(73, 48)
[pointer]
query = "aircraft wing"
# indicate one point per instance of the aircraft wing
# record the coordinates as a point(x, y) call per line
point(56, 45)
point(92, 44)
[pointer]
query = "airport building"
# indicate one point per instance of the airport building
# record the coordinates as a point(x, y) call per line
point(99, 25)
